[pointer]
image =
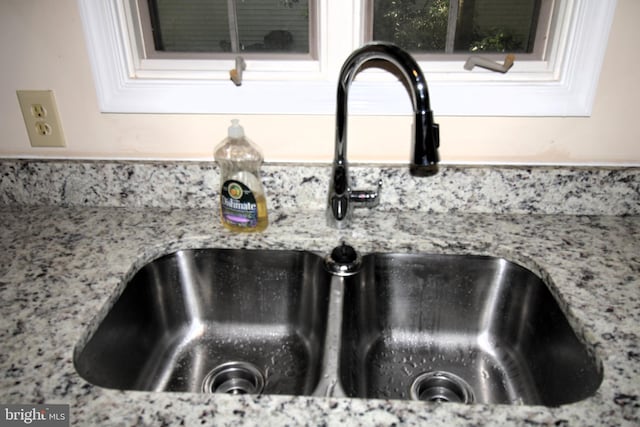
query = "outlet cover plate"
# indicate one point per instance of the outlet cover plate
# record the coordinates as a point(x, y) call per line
point(41, 118)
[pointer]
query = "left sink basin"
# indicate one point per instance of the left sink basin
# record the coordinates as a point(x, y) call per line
point(215, 320)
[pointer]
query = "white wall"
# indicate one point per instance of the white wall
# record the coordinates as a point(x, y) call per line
point(42, 45)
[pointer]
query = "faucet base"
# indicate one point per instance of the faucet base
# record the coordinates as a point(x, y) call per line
point(423, 170)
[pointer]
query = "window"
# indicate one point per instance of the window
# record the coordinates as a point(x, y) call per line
point(559, 47)
point(460, 26)
point(171, 28)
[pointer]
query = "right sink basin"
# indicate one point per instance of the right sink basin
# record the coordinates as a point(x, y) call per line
point(459, 328)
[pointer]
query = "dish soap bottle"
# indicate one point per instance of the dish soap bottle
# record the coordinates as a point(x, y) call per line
point(243, 205)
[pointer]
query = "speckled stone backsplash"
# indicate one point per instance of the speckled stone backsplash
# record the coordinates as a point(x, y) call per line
point(491, 189)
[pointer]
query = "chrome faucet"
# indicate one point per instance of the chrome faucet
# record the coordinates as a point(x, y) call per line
point(342, 199)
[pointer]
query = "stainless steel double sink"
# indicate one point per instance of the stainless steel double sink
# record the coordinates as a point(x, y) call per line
point(457, 328)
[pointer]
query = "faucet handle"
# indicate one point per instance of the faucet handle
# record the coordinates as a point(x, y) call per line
point(366, 198)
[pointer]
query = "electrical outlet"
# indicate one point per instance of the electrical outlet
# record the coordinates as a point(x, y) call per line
point(41, 118)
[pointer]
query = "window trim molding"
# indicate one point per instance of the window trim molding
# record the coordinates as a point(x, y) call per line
point(563, 88)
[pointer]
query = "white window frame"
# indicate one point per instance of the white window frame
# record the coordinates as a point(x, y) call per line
point(564, 84)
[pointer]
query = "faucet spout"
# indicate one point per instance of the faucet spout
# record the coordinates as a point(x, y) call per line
point(426, 138)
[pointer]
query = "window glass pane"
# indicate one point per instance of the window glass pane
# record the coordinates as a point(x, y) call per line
point(414, 25)
point(457, 26)
point(203, 25)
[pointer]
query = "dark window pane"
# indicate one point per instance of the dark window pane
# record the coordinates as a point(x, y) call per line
point(476, 25)
point(497, 25)
point(203, 25)
point(413, 24)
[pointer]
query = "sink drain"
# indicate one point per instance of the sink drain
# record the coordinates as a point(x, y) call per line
point(234, 378)
point(440, 386)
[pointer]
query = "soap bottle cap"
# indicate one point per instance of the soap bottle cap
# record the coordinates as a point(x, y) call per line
point(235, 130)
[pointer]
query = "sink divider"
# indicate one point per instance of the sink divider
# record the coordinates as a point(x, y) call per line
point(329, 384)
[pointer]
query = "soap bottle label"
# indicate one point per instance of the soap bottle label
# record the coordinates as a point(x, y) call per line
point(238, 204)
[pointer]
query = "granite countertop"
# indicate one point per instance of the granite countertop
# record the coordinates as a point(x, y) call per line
point(61, 264)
